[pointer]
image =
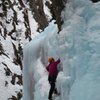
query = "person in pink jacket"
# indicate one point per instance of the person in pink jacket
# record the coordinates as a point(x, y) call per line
point(53, 72)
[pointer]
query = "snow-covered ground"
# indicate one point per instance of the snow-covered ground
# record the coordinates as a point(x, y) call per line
point(10, 72)
point(78, 47)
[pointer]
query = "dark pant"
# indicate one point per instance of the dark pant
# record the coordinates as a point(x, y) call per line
point(52, 80)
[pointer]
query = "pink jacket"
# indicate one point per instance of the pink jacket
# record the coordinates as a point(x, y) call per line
point(52, 68)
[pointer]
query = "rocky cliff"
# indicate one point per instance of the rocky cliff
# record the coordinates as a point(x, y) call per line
point(39, 15)
point(16, 30)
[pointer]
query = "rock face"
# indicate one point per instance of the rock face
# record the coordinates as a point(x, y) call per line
point(95, 1)
point(11, 47)
point(38, 13)
point(15, 32)
point(55, 6)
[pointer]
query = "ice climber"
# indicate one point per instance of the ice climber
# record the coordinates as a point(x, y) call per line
point(53, 72)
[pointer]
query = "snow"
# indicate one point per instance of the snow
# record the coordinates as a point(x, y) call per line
point(33, 24)
point(78, 47)
point(46, 10)
point(7, 59)
point(7, 91)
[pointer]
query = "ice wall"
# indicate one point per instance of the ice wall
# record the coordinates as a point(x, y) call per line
point(36, 49)
point(84, 63)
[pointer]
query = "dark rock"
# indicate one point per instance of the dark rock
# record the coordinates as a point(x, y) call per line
point(6, 83)
point(19, 96)
point(12, 98)
point(28, 31)
point(17, 59)
point(39, 15)
point(19, 82)
point(56, 8)
point(7, 70)
point(94, 1)
point(13, 79)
